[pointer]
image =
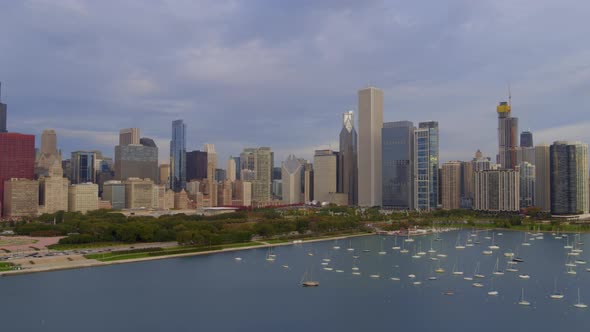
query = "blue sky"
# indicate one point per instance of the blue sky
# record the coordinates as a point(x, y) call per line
point(280, 73)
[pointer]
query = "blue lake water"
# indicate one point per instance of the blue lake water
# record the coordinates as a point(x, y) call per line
point(218, 293)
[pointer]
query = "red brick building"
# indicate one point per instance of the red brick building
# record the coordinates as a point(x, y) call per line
point(17, 158)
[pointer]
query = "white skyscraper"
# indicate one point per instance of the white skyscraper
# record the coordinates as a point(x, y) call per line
point(370, 108)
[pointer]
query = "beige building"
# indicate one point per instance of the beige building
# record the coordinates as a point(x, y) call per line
point(139, 193)
point(542, 178)
point(21, 198)
point(230, 169)
point(308, 183)
point(242, 193)
point(370, 110)
point(53, 190)
point(497, 190)
point(325, 175)
point(181, 201)
point(83, 197)
point(224, 193)
point(258, 160)
point(291, 171)
point(48, 153)
point(451, 185)
point(165, 197)
point(129, 136)
point(164, 174)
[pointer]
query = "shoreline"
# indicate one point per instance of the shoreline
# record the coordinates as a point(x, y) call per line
point(86, 263)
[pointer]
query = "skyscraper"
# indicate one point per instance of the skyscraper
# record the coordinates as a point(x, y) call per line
point(370, 108)
point(53, 190)
point(291, 178)
point(83, 166)
point(527, 184)
point(137, 160)
point(526, 139)
point(569, 177)
point(3, 113)
point(178, 156)
point(196, 165)
point(497, 190)
point(211, 161)
point(238, 167)
point(348, 163)
point(507, 136)
point(426, 185)
point(256, 167)
point(48, 153)
point(467, 184)
point(397, 165)
point(451, 185)
point(21, 198)
point(542, 177)
point(129, 136)
point(325, 168)
point(230, 169)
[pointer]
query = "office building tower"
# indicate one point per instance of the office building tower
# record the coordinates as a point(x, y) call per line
point(196, 165)
point(525, 154)
point(138, 193)
point(114, 192)
point(230, 169)
point(308, 179)
point(164, 173)
point(542, 178)
point(276, 173)
point(181, 201)
point(397, 165)
point(466, 184)
point(137, 161)
point(242, 193)
point(325, 175)
point(17, 158)
point(83, 197)
point(277, 189)
point(569, 177)
point(370, 108)
point(497, 190)
point(248, 175)
point(238, 167)
point(225, 193)
point(21, 198)
point(48, 153)
point(129, 136)
point(526, 139)
point(348, 162)
point(451, 185)
point(211, 160)
point(258, 160)
point(220, 175)
point(479, 163)
point(53, 190)
point(178, 156)
point(3, 113)
point(527, 184)
point(426, 184)
point(83, 167)
point(291, 180)
point(507, 136)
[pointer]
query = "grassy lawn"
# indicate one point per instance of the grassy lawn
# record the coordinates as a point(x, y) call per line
point(85, 245)
point(114, 256)
point(6, 267)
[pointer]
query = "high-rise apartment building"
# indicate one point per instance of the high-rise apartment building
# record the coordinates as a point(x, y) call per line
point(53, 190)
point(451, 185)
point(83, 197)
point(308, 179)
point(426, 183)
point(325, 175)
point(497, 190)
point(114, 192)
point(507, 136)
point(467, 185)
point(348, 159)
point(291, 180)
point(569, 177)
point(526, 139)
point(139, 193)
point(527, 184)
point(238, 167)
point(542, 177)
point(21, 198)
point(83, 167)
point(17, 158)
point(230, 169)
point(178, 156)
point(211, 161)
point(397, 165)
point(136, 161)
point(164, 173)
point(129, 136)
point(370, 108)
point(258, 160)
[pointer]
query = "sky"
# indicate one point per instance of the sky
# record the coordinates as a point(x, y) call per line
point(280, 73)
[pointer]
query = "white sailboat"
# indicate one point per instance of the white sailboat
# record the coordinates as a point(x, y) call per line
point(409, 239)
point(336, 246)
point(458, 244)
point(556, 295)
point(522, 300)
point(497, 270)
point(492, 291)
point(270, 257)
point(477, 274)
point(307, 280)
point(439, 269)
point(493, 245)
point(395, 245)
point(456, 271)
point(431, 250)
point(382, 252)
point(526, 243)
point(350, 248)
point(580, 305)
point(404, 250)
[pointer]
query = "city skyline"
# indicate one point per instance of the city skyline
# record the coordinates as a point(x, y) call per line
point(432, 79)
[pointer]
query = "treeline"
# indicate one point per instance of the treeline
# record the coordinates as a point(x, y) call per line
point(104, 226)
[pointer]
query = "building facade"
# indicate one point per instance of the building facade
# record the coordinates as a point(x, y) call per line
point(196, 165)
point(114, 192)
point(397, 165)
point(136, 161)
point(83, 197)
point(543, 177)
point(129, 136)
point(348, 159)
point(497, 190)
point(178, 156)
point(451, 185)
point(21, 198)
point(291, 171)
point(17, 158)
point(507, 136)
point(370, 108)
point(569, 177)
point(83, 164)
point(426, 183)
point(325, 175)
point(138, 193)
point(53, 190)
point(527, 184)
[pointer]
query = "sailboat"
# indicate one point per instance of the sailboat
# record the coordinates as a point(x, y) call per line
point(493, 246)
point(440, 254)
point(350, 248)
point(522, 301)
point(439, 269)
point(382, 252)
point(556, 295)
point(307, 280)
point(525, 243)
point(457, 272)
point(420, 252)
point(431, 250)
point(492, 291)
point(509, 267)
point(416, 254)
point(395, 245)
point(409, 239)
point(458, 244)
point(404, 250)
point(336, 246)
point(476, 273)
point(270, 257)
point(580, 305)
point(497, 270)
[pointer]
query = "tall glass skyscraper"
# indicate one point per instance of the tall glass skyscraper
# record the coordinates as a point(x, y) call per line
point(526, 139)
point(569, 177)
point(178, 156)
point(507, 136)
point(397, 165)
point(426, 166)
point(83, 167)
point(347, 163)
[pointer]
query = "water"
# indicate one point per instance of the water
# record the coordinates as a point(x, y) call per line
point(218, 293)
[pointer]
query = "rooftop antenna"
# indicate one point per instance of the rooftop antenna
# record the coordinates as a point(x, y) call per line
point(509, 96)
